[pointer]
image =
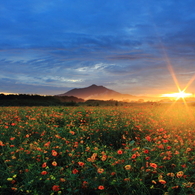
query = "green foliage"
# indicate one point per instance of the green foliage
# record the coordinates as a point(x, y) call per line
point(139, 149)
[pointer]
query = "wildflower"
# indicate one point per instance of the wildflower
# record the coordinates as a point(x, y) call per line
point(54, 153)
point(148, 138)
point(43, 172)
point(56, 188)
point(119, 151)
point(95, 148)
point(72, 132)
point(154, 165)
point(54, 163)
point(47, 144)
point(171, 174)
point(127, 179)
point(188, 150)
point(184, 165)
point(62, 180)
point(165, 140)
point(101, 187)
point(44, 165)
point(12, 138)
point(133, 156)
point(146, 151)
point(81, 164)
point(154, 182)
point(168, 147)
point(104, 157)
point(147, 158)
point(127, 167)
point(162, 181)
point(75, 171)
point(1, 143)
point(113, 173)
point(179, 174)
point(84, 184)
point(100, 170)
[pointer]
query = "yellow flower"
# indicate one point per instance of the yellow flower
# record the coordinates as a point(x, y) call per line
point(127, 167)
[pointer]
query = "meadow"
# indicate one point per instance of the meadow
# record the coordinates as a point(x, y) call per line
point(143, 149)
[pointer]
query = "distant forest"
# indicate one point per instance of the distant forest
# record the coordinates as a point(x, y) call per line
point(39, 100)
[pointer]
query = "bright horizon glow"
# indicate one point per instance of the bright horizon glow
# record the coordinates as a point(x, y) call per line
point(181, 94)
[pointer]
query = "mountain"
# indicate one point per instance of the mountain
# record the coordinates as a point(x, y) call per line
point(97, 92)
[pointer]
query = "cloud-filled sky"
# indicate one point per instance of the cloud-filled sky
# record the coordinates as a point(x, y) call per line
point(52, 46)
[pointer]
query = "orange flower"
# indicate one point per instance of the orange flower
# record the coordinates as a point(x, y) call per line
point(180, 174)
point(12, 138)
point(54, 163)
point(56, 188)
point(171, 174)
point(72, 132)
point(54, 153)
point(154, 165)
point(162, 181)
point(101, 187)
point(81, 164)
point(127, 167)
point(100, 170)
point(1, 143)
point(104, 157)
point(47, 144)
point(62, 180)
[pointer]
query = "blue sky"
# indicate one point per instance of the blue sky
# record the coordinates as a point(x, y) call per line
point(52, 46)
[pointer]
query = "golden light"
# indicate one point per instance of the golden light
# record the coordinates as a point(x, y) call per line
point(181, 94)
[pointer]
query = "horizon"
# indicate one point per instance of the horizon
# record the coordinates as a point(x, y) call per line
point(137, 48)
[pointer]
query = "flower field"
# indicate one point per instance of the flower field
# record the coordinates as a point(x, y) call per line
point(139, 149)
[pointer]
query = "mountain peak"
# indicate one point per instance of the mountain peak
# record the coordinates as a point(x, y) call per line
point(94, 92)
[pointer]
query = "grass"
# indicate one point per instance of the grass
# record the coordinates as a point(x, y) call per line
point(141, 149)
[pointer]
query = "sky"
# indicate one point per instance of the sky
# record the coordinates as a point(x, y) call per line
point(133, 47)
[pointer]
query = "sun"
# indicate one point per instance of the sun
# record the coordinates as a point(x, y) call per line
point(180, 94)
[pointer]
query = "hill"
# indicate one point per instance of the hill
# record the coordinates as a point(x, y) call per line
point(97, 92)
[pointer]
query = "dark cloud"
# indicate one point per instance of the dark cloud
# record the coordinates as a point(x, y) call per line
point(48, 45)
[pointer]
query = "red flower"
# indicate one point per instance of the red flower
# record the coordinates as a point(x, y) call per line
point(133, 156)
point(44, 165)
point(81, 164)
point(119, 151)
point(168, 147)
point(146, 151)
point(56, 188)
point(101, 187)
point(75, 171)
point(148, 138)
point(43, 172)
